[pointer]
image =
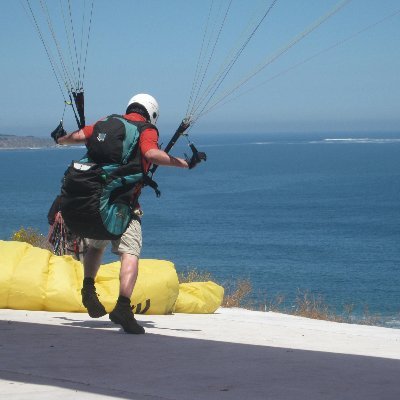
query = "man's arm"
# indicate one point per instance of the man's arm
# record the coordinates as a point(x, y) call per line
point(160, 157)
point(76, 137)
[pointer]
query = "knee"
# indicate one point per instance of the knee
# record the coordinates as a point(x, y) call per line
point(95, 250)
point(129, 259)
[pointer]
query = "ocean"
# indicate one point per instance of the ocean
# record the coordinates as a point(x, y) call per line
point(291, 213)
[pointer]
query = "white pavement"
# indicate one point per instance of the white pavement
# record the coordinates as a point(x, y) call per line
point(232, 354)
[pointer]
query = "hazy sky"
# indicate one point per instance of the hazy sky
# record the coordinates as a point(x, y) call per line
point(153, 46)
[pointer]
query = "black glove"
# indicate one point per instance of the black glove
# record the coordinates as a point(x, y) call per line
point(58, 132)
point(196, 158)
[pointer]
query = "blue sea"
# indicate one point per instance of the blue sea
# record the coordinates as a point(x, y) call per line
point(292, 213)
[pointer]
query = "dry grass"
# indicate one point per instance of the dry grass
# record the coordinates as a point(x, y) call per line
point(310, 306)
point(276, 304)
point(237, 295)
point(194, 275)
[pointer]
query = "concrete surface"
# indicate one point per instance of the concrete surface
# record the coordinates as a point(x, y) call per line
point(232, 354)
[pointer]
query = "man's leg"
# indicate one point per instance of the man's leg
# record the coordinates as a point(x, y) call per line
point(91, 265)
point(128, 274)
point(129, 247)
point(92, 261)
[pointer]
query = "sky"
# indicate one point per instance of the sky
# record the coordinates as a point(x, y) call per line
point(339, 78)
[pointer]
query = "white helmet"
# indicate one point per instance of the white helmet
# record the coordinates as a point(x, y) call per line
point(149, 103)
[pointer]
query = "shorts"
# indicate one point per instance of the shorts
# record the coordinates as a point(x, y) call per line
point(129, 243)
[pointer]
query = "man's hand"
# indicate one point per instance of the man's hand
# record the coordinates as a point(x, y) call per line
point(196, 158)
point(58, 132)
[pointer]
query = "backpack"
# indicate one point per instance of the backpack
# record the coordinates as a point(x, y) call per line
point(99, 192)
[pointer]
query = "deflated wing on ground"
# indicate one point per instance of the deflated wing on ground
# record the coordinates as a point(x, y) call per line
point(35, 279)
point(199, 298)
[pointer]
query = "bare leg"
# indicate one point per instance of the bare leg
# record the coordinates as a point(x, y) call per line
point(122, 313)
point(91, 262)
point(131, 241)
point(128, 274)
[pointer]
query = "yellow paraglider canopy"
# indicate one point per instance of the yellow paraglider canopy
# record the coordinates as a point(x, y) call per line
point(35, 279)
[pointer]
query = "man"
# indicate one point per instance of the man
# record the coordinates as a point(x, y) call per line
point(141, 108)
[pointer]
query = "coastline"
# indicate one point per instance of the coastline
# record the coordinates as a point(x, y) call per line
point(53, 147)
point(25, 148)
point(24, 142)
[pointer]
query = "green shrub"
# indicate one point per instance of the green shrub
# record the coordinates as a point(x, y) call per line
point(31, 236)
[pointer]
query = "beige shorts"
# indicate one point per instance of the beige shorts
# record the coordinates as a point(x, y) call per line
point(129, 243)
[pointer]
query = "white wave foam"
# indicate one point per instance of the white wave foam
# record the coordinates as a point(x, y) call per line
point(361, 140)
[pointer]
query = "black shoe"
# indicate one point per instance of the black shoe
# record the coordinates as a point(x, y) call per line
point(123, 315)
point(91, 301)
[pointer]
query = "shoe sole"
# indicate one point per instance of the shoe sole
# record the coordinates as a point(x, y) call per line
point(118, 321)
point(97, 314)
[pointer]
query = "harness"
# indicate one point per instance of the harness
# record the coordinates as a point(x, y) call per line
point(100, 191)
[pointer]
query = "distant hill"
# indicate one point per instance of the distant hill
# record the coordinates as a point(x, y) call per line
point(24, 142)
